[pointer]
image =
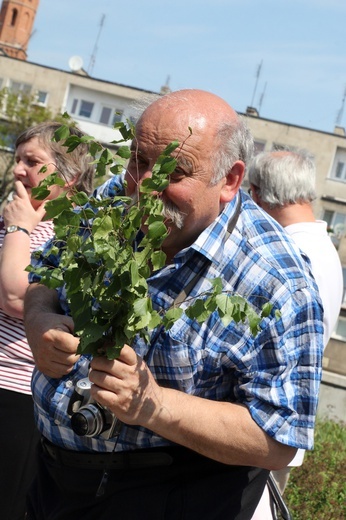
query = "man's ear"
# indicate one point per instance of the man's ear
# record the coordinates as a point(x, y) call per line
point(233, 181)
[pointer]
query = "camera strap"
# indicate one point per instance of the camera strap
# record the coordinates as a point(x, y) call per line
point(182, 296)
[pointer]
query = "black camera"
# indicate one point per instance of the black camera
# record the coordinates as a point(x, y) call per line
point(89, 418)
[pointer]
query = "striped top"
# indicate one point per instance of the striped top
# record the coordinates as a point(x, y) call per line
point(16, 361)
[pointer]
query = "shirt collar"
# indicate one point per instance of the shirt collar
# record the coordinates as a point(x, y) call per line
point(210, 242)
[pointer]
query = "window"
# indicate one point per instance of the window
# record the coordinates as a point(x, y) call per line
point(117, 117)
point(336, 225)
point(276, 147)
point(338, 171)
point(86, 108)
point(340, 329)
point(259, 147)
point(14, 17)
point(110, 116)
point(74, 106)
point(133, 119)
point(105, 115)
point(344, 276)
point(20, 88)
point(335, 221)
point(41, 97)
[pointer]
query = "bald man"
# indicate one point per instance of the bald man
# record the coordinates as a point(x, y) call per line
point(207, 409)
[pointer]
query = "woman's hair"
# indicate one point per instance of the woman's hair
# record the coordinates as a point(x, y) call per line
point(70, 165)
point(283, 177)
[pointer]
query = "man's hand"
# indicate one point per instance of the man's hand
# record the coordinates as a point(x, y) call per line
point(53, 345)
point(126, 386)
point(220, 430)
point(49, 333)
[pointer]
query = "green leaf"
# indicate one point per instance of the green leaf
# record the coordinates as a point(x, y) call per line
point(58, 205)
point(124, 152)
point(62, 133)
point(222, 302)
point(266, 309)
point(217, 284)
point(140, 307)
point(80, 198)
point(171, 316)
point(198, 311)
point(91, 339)
point(101, 227)
point(149, 185)
point(133, 268)
point(156, 230)
point(158, 259)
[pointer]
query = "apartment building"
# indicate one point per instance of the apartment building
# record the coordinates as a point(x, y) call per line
point(329, 151)
point(97, 104)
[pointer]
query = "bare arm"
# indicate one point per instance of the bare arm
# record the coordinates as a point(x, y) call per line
point(49, 333)
point(222, 431)
point(15, 251)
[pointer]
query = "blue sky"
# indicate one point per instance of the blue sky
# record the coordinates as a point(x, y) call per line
point(215, 45)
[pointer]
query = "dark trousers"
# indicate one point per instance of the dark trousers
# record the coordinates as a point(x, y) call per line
point(18, 441)
point(194, 488)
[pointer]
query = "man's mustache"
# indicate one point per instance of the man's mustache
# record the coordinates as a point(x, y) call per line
point(170, 211)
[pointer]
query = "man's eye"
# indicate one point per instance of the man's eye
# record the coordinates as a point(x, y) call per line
point(177, 175)
point(137, 160)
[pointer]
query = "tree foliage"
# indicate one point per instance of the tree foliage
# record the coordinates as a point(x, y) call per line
point(104, 273)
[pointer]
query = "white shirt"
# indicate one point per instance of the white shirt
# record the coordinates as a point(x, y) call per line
point(313, 239)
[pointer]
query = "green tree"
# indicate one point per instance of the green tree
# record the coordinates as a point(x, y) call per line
point(105, 278)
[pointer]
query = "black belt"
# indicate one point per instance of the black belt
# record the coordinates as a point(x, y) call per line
point(115, 460)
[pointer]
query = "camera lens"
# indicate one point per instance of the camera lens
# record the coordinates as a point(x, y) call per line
point(88, 421)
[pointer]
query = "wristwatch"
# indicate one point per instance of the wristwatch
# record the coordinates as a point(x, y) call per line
point(13, 229)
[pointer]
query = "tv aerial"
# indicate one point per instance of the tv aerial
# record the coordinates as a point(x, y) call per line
point(341, 110)
point(93, 56)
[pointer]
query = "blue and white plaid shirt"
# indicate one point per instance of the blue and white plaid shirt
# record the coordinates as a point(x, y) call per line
point(275, 374)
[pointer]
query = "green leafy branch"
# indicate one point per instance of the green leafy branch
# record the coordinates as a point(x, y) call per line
point(104, 272)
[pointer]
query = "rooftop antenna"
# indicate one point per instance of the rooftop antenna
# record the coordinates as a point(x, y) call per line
point(256, 83)
point(93, 56)
point(261, 98)
point(165, 89)
point(341, 110)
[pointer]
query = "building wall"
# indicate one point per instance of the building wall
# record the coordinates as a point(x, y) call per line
point(322, 145)
point(63, 87)
point(331, 197)
point(67, 91)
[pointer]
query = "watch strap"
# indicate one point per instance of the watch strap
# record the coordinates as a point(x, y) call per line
point(13, 229)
